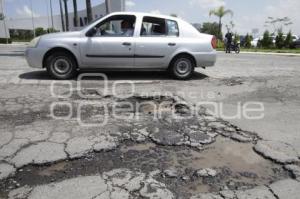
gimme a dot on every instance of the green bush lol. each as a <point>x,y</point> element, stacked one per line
<point>40,31</point>
<point>248,40</point>
<point>236,39</point>
<point>21,35</point>
<point>266,42</point>
<point>220,44</point>
<point>288,40</point>
<point>279,40</point>
<point>4,41</point>
<point>51,30</point>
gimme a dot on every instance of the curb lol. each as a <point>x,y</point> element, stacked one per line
<point>268,53</point>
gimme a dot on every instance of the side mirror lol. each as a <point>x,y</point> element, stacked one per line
<point>91,32</point>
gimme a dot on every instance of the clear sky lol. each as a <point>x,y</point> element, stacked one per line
<point>247,14</point>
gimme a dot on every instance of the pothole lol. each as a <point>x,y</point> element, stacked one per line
<point>237,167</point>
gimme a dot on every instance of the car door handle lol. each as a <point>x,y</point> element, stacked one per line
<point>126,44</point>
<point>172,44</point>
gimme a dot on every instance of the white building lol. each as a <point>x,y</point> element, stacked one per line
<point>46,22</point>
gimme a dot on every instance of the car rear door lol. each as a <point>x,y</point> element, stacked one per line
<point>156,43</point>
<point>110,47</point>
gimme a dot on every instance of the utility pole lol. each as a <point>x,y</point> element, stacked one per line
<point>32,19</point>
<point>51,12</point>
<point>62,16</point>
<point>75,13</point>
<point>107,6</point>
<point>47,10</point>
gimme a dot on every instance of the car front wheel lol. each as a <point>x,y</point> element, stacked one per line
<point>182,67</point>
<point>61,65</point>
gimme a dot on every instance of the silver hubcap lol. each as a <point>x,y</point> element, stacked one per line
<point>183,66</point>
<point>61,66</point>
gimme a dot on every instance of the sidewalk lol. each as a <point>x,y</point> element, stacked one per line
<point>14,49</point>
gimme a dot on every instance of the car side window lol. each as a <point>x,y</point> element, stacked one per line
<point>172,28</point>
<point>153,27</point>
<point>116,26</point>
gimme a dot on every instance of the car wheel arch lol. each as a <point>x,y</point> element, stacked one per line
<point>58,49</point>
<point>183,54</point>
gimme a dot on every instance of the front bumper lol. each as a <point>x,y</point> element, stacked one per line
<point>35,56</point>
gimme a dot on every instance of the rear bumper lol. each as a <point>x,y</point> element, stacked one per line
<point>34,57</point>
<point>205,59</point>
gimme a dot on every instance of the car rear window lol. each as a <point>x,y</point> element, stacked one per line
<point>157,27</point>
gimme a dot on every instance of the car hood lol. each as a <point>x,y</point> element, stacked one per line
<point>61,34</point>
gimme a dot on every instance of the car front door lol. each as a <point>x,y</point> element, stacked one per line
<point>156,43</point>
<point>111,45</point>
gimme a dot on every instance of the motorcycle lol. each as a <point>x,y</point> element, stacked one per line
<point>235,47</point>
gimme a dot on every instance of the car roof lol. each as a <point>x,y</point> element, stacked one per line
<point>146,14</point>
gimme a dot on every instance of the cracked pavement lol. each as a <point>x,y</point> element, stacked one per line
<point>202,156</point>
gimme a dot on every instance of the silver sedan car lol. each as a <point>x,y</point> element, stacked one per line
<point>125,41</point>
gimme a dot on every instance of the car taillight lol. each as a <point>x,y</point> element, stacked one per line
<point>214,42</point>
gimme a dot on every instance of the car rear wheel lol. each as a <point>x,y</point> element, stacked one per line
<point>182,67</point>
<point>61,65</point>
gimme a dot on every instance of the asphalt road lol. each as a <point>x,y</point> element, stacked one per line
<point>167,158</point>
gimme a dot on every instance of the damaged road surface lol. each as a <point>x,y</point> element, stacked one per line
<point>141,152</point>
<point>148,145</point>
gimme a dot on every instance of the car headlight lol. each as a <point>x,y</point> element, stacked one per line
<point>34,42</point>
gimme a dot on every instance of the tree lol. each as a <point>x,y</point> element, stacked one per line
<point>210,28</point>
<point>66,14</point>
<point>248,40</point>
<point>288,40</point>
<point>279,41</point>
<point>236,39</point>
<point>89,11</point>
<point>266,41</point>
<point>75,13</point>
<point>220,13</point>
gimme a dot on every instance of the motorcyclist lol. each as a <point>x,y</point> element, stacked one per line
<point>228,37</point>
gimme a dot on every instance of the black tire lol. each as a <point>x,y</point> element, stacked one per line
<point>182,67</point>
<point>237,50</point>
<point>61,65</point>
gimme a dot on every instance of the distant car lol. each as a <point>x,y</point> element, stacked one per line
<point>294,37</point>
<point>254,42</point>
<point>296,44</point>
<point>125,40</point>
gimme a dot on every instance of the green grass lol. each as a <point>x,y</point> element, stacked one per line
<point>267,50</point>
<point>271,50</point>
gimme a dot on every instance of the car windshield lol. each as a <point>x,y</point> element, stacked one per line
<point>93,21</point>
